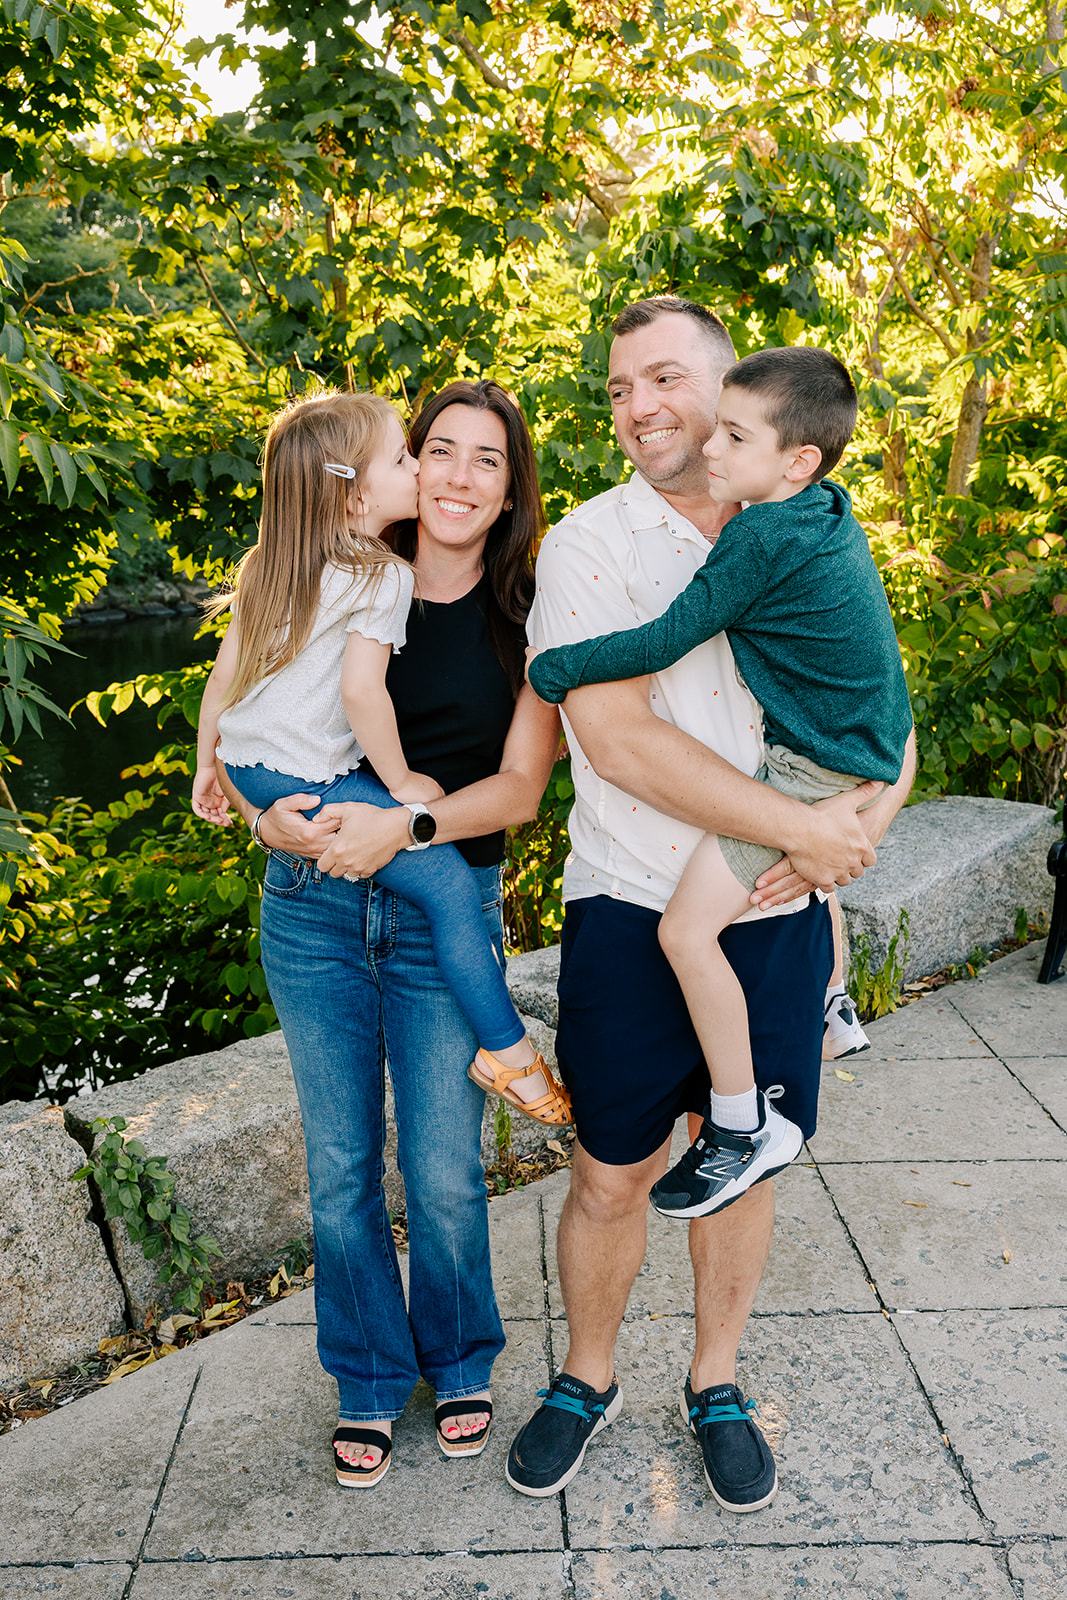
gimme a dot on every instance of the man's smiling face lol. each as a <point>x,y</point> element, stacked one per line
<point>663,383</point>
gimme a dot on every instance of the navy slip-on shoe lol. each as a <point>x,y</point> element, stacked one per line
<point>738,1464</point>
<point>550,1449</point>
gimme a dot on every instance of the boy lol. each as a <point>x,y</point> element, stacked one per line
<point>792,582</point>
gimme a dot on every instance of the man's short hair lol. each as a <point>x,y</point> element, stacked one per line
<point>808,398</point>
<point>641,313</point>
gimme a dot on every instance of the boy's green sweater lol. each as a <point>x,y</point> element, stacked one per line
<point>794,586</point>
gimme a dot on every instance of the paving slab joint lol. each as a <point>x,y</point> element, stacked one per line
<point>546,1301</point>
<point>162,1485</point>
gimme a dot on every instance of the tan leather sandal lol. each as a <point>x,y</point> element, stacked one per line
<point>554,1107</point>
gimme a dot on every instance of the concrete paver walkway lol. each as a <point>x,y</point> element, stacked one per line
<point>907,1354</point>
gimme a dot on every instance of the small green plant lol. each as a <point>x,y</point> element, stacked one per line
<point>297,1256</point>
<point>139,1191</point>
<point>505,1166</point>
<point>877,993</point>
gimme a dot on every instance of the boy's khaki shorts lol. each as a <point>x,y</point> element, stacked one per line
<point>796,777</point>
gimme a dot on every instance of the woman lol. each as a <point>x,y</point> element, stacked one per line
<point>350,966</point>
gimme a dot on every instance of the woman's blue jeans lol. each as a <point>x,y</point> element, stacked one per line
<point>351,972</point>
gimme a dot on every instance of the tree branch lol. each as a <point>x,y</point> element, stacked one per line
<point>62,283</point>
<point>247,248</point>
<point>221,309</point>
<point>930,322</point>
<point>474,55</point>
<point>600,198</point>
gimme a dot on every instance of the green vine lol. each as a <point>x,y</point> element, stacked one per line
<point>139,1191</point>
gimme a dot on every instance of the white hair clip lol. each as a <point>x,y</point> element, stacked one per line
<point>337,471</point>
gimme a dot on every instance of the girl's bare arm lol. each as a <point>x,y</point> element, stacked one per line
<point>209,799</point>
<point>373,718</point>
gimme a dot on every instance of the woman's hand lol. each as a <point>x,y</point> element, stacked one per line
<point>531,656</point>
<point>284,826</point>
<point>363,839</point>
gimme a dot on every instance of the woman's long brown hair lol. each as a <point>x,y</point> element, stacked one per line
<point>304,527</point>
<point>512,539</point>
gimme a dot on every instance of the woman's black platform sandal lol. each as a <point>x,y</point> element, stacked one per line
<point>356,1477</point>
<point>474,1443</point>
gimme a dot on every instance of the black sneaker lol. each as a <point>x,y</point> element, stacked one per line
<point>718,1168</point>
<point>550,1449</point>
<point>738,1464</point>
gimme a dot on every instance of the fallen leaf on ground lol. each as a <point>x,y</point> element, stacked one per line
<point>170,1329</point>
<point>131,1364</point>
<point>846,1077</point>
<point>920,1203</point>
<point>105,1347</point>
<point>960,1184</point>
<point>1007,1255</point>
<point>554,1144</point>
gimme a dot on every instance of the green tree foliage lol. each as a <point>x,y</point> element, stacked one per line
<point>114,961</point>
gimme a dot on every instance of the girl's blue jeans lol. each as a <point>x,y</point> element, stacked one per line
<point>438,881</point>
<point>352,975</point>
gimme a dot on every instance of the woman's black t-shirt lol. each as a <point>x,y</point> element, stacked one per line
<point>453,701</point>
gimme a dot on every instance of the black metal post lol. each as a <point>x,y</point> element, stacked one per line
<point>1052,966</point>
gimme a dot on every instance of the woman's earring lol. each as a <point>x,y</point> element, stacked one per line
<point>507,505</point>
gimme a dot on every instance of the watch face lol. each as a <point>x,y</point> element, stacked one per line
<point>423,827</point>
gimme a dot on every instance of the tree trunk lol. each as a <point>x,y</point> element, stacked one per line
<point>975,404</point>
<point>894,474</point>
<point>973,409</point>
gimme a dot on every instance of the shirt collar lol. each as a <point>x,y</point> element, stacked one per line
<point>646,509</point>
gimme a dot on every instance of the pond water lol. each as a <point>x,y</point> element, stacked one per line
<point>85,760</point>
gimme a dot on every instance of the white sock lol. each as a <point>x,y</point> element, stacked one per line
<point>738,1112</point>
<point>834,990</point>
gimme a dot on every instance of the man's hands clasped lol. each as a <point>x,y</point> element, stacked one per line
<point>830,847</point>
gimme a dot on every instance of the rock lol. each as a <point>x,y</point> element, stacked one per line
<point>58,1292</point>
<point>192,592</point>
<point>532,980</point>
<point>230,1126</point>
<point>99,617</point>
<point>961,867</point>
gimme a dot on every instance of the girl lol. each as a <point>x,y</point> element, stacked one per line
<point>299,687</point>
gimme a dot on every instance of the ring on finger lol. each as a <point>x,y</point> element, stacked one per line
<point>351,877</point>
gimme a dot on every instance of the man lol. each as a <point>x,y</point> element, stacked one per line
<point>656,762</point>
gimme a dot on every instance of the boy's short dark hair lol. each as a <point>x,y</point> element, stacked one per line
<point>808,398</point>
<point>641,313</point>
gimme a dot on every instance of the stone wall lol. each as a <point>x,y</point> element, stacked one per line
<point>962,867</point>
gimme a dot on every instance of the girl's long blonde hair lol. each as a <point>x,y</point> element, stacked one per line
<point>304,527</point>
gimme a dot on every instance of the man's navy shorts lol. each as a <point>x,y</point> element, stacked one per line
<point>626,1046</point>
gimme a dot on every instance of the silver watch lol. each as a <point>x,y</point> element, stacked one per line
<point>422,827</point>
